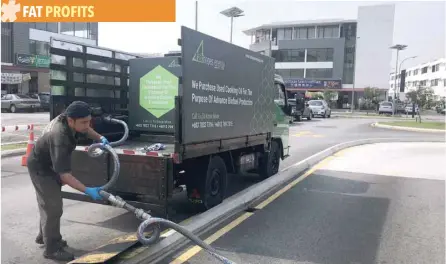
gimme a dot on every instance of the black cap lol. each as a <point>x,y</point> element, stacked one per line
<point>78,109</point>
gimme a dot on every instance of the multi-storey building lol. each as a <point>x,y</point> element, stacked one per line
<point>309,55</point>
<point>430,74</point>
<point>25,52</point>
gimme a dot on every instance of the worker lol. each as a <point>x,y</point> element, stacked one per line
<point>49,166</point>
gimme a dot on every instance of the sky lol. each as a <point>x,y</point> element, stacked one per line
<point>420,25</point>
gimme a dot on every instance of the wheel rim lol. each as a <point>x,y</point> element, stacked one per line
<point>215,183</point>
<point>12,108</point>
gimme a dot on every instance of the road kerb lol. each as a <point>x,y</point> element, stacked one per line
<point>13,152</point>
<point>204,222</point>
<point>426,130</point>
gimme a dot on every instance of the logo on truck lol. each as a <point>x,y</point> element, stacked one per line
<point>201,58</point>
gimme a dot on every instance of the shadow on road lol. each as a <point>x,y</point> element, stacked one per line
<point>324,219</point>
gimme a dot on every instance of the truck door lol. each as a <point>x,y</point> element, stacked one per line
<point>282,116</point>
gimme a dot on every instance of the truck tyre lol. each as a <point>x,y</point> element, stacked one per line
<point>209,188</point>
<point>271,161</point>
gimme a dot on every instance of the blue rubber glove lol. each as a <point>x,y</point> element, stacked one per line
<point>104,141</point>
<point>93,192</point>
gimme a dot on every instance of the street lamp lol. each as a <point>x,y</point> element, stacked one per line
<point>398,47</point>
<point>232,12</point>
<point>401,64</point>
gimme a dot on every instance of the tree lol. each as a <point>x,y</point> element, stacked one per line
<point>371,98</point>
<point>330,96</point>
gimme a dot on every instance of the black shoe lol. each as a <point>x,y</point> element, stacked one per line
<point>39,240</point>
<point>59,255</point>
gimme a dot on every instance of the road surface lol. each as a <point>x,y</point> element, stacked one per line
<point>367,204</point>
<point>87,226</point>
<point>9,119</point>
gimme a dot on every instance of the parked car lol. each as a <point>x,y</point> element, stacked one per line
<point>320,108</point>
<point>44,99</point>
<point>300,110</point>
<point>15,102</point>
<point>408,109</point>
<point>385,108</point>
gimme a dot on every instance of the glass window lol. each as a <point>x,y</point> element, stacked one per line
<point>52,27</point>
<point>315,103</point>
<point>319,73</point>
<point>301,33</point>
<point>41,26</point>
<point>292,55</point>
<point>328,32</point>
<point>67,28</point>
<point>39,47</point>
<point>80,30</point>
<point>296,73</point>
<point>284,33</point>
<point>311,33</point>
<point>315,55</point>
<point>424,70</point>
<point>291,73</point>
<point>22,96</point>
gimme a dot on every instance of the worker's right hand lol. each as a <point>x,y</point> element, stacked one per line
<point>93,192</point>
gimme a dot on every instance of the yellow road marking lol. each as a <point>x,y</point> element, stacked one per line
<point>308,134</point>
<point>293,183</point>
<point>195,249</point>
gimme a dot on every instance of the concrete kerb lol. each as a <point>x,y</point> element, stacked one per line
<point>427,130</point>
<point>204,222</point>
<point>13,152</point>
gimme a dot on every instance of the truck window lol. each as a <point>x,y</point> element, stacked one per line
<point>279,96</point>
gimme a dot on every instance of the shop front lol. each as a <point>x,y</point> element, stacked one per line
<point>341,98</point>
<point>29,74</point>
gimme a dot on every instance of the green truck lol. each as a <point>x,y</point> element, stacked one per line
<point>192,118</point>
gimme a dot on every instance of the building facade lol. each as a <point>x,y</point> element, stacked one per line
<point>310,54</point>
<point>430,74</point>
<point>25,52</point>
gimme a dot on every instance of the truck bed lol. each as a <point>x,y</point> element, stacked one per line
<point>133,147</point>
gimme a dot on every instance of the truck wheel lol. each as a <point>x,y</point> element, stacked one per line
<point>270,162</point>
<point>209,189</point>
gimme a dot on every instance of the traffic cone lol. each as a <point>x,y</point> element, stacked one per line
<point>29,147</point>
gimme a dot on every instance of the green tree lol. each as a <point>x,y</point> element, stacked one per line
<point>371,98</point>
<point>330,96</point>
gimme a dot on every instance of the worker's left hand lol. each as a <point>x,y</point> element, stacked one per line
<point>104,141</point>
<point>93,192</point>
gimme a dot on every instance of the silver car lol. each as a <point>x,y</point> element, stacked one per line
<point>14,102</point>
<point>385,108</point>
<point>320,108</point>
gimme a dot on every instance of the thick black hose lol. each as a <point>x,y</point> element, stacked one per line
<point>95,150</point>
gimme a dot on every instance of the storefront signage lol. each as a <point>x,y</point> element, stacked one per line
<point>38,61</point>
<point>312,84</point>
<point>11,78</point>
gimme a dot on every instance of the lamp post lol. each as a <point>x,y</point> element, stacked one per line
<point>232,12</point>
<point>401,64</point>
<point>398,47</point>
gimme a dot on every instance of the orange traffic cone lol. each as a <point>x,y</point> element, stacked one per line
<point>29,147</point>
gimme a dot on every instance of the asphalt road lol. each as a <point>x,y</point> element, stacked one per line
<point>87,226</point>
<point>9,119</point>
<point>367,204</point>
